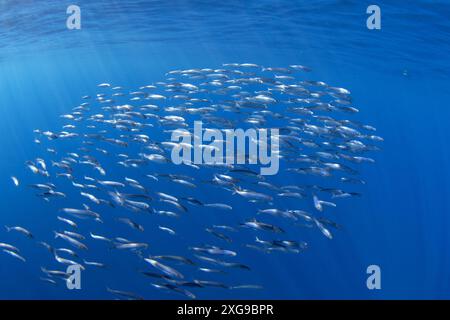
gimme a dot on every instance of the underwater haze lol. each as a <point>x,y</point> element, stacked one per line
<point>398,77</point>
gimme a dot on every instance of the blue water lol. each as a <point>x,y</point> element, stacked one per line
<point>398,76</point>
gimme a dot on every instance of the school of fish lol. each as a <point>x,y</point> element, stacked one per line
<point>112,156</point>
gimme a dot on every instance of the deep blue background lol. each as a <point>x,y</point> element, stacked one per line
<point>398,77</point>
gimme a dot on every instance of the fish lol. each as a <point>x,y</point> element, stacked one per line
<point>55,273</point>
<point>94,264</point>
<point>67,261</point>
<point>214,250</point>
<point>223,263</point>
<point>257,225</point>
<point>115,150</point>
<point>68,221</point>
<point>221,206</point>
<point>81,213</point>
<point>41,186</point>
<point>193,201</point>
<point>15,181</point>
<point>72,241</point>
<point>20,230</point>
<point>131,245</point>
<point>90,197</point>
<point>184,183</point>
<point>68,251</point>
<point>318,204</point>
<point>98,237</point>
<point>174,288</point>
<point>166,229</point>
<point>14,254</point>
<point>114,184</point>
<point>171,272</point>
<point>165,196</point>
<point>324,230</point>
<point>47,246</point>
<point>208,270</point>
<point>8,247</point>
<point>131,223</point>
<point>253,195</point>
<point>74,235</point>
<point>174,258</point>
<point>176,204</point>
<point>218,235</point>
<point>48,280</point>
<point>206,283</point>
<point>278,213</point>
<point>125,294</point>
<point>247,286</point>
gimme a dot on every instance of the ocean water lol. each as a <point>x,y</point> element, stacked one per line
<point>398,77</point>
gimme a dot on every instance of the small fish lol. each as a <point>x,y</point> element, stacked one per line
<point>14,254</point>
<point>67,261</point>
<point>131,223</point>
<point>132,245</point>
<point>55,273</point>
<point>247,286</point>
<point>90,197</point>
<point>68,251</point>
<point>218,206</point>
<point>71,240</point>
<point>168,230</point>
<point>318,204</point>
<point>69,222</point>
<point>213,250</point>
<point>125,294</point>
<point>98,237</point>
<point>174,288</point>
<point>114,184</point>
<point>74,235</point>
<point>8,247</point>
<point>171,272</point>
<point>253,224</point>
<point>208,270</point>
<point>174,258</point>
<point>253,195</point>
<point>15,181</point>
<point>20,230</point>
<point>218,235</point>
<point>48,280</point>
<point>324,230</point>
<point>94,264</point>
